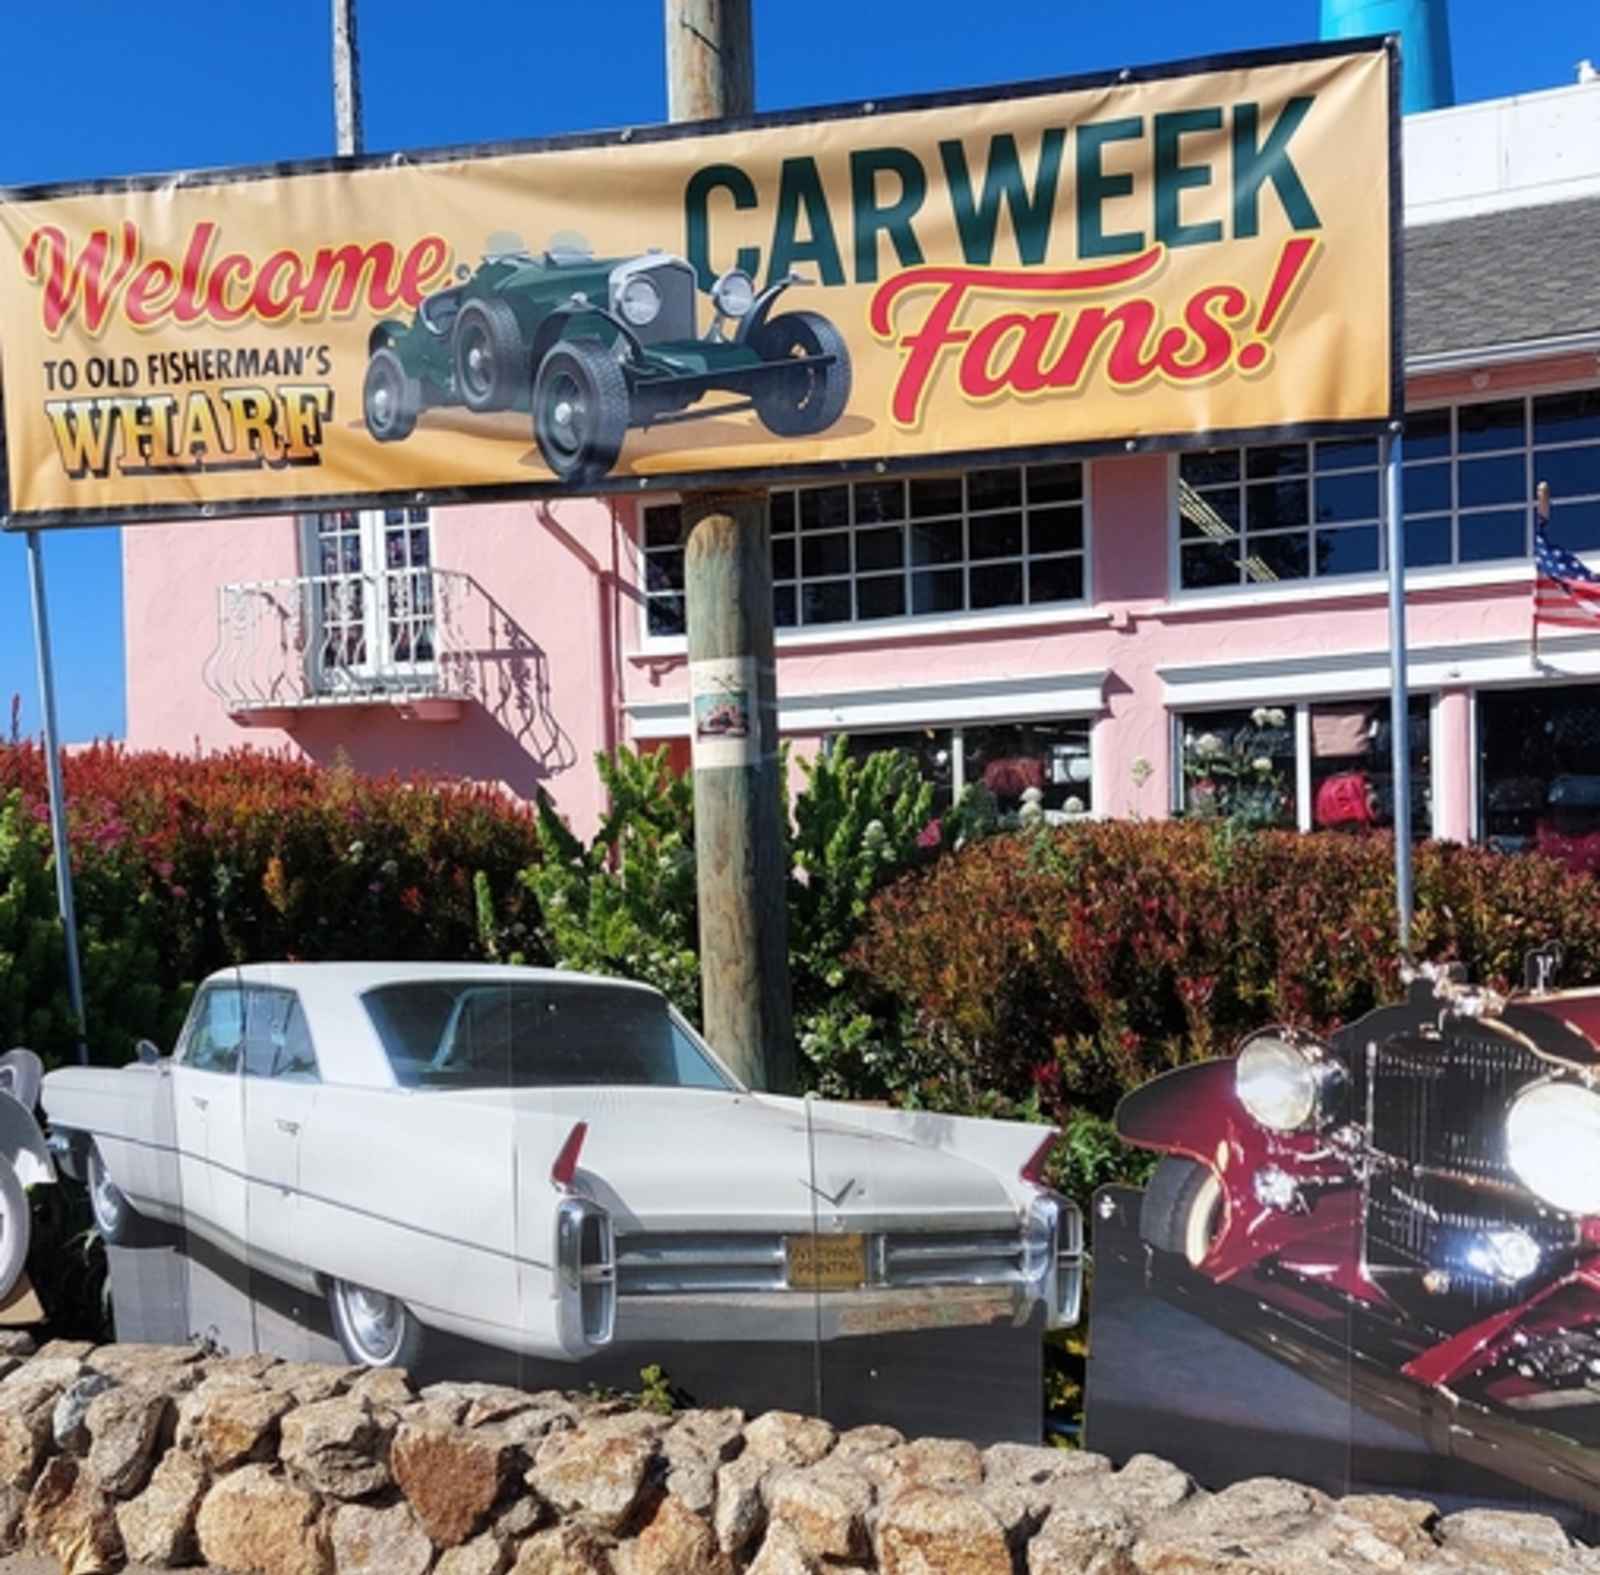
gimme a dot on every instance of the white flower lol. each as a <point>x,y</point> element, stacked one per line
<point>1261,764</point>
<point>1208,746</point>
<point>1260,715</point>
<point>1074,805</point>
<point>1276,717</point>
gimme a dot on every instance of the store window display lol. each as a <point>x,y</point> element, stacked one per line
<point>1539,773</point>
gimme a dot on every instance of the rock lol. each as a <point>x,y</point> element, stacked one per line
<point>13,1501</point>
<point>389,1541</point>
<point>824,1506</point>
<point>674,1541</point>
<point>337,1447</point>
<point>598,1472</point>
<point>253,1520</point>
<point>17,1344</point>
<point>484,1555</point>
<point>872,1439</point>
<point>309,1382</point>
<point>526,1428</point>
<point>65,1350</point>
<point>384,1386</point>
<point>70,1519</point>
<point>1034,1465</point>
<point>714,1435</point>
<point>1519,1544</point>
<point>66,1420</point>
<point>524,1514</point>
<point>928,1531</point>
<point>1083,1540</point>
<point>740,1512</point>
<point>54,1371</point>
<point>123,1427</point>
<point>782,1554</point>
<point>450,1476</point>
<point>928,1462</point>
<point>563,1550</point>
<point>1144,1488</point>
<point>789,1439</point>
<point>693,1484</point>
<point>158,1526</point>
<point>9,1365</point>
<point>172,1368</point>
<point>482,1403</point>
<point>229,1427</point>
<point>253,1365</point>
<point>26,1418</point>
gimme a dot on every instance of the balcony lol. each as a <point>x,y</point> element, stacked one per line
<point>391,638</point>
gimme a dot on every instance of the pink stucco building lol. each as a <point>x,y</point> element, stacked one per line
<point>1121,634</point>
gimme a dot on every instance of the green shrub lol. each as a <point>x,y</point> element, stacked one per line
<point>183,865</point>
<point>627,902</point>
<point>1110,951</point>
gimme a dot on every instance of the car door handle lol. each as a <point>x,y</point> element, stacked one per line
<point>199,1103</point>
<point>291,1127</point>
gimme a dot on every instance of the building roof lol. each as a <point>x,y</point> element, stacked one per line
<point>1503,278</point>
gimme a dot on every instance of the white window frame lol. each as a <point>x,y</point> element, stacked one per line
<point>380,666</point>
<point>1181,716</point>
<point>1489,570</point>
<point>906,626</point>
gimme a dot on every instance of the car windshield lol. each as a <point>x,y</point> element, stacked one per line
<point>468,1034</point>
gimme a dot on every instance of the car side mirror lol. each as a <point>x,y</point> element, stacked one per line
<point>463,272</point>
<point>147,1053</point>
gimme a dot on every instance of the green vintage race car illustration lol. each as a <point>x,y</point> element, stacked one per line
<point>593,346</point>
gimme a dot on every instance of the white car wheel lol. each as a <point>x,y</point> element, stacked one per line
<point>16,1229</point>
<point>114,1216</point>
<point>375,1330</point>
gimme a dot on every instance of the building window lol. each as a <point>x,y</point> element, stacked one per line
<point>1352,765</point>
<point>981,541</point>
<point>1303,511</point>
<point>1239,763</point>
<point>1016,764</point>
<point>1538,789</point>
<point>369,579</point>
<point>1324,767</point>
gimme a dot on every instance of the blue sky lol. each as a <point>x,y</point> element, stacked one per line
<point>91,88</point>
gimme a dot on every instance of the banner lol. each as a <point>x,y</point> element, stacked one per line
<point>1179,255</point>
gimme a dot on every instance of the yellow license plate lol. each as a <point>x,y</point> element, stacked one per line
<point>826,1263</point>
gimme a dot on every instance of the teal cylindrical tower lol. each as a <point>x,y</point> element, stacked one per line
<point>1424,29</point>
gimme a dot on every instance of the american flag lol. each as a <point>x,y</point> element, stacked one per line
<point>1565,590</point>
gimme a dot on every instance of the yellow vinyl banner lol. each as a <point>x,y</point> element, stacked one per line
<point>1187,255</point>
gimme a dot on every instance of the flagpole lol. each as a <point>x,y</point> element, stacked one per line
<point>57,794</point>
<point>1541,509</point>
<point>1389,458</point>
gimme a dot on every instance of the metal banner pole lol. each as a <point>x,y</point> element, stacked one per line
<point>58,801</point>
<point>1400,732</point>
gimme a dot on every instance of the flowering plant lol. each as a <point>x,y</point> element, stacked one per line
<point>1240,773</point>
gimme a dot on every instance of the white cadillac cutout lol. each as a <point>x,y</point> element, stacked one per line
<point>546,1163</point>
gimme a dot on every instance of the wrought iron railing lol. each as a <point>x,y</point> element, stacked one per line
<point>393,636</point>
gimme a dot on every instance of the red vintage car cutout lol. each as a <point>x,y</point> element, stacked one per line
<point>1413,1204</point>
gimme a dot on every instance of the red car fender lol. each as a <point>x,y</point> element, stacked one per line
<point>1185,1111</point>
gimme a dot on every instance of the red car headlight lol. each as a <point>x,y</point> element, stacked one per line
<point>1286,1082</point>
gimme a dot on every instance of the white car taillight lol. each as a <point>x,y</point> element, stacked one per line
<point>586,1274</point>
<point>1052,1255</point>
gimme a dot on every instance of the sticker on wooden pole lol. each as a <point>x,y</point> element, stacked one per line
<point>725,713</point>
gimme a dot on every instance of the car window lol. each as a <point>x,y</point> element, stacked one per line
<point>217,1031</point>
<point>277,1042</point>
<point>474,1035</point>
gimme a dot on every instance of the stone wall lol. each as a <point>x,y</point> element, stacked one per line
<point>172,1457</point>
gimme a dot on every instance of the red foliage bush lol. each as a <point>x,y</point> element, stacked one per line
<point>245,856</point>
<point>1074,963</point>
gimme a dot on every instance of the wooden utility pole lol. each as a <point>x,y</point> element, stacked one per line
<point>733,682</point>
<point>346,79</point>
